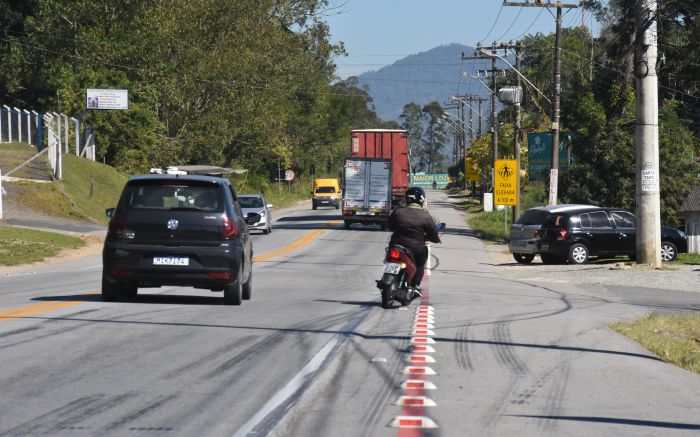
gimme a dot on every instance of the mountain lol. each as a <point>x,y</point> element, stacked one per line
<point>428,76</point>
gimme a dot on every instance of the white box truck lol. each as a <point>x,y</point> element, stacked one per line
<point>366,191</point>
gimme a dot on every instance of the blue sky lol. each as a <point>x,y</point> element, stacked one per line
<point>379,32</point>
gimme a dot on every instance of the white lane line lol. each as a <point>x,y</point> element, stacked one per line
<point>297,384</point>
<point>288,390</point>
<point>89,267</point>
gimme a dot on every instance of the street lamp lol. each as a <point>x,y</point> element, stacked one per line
<point>470,107</point>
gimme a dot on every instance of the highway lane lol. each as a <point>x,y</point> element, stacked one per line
<point>313,353</point>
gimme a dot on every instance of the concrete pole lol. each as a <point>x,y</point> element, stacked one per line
<point>66,132</point>
<point>556,109</point>
<point>463,133</point>
<point>647,139</point>
<point>516,134</point>
<point>76,123</point>
<point>1,193</point>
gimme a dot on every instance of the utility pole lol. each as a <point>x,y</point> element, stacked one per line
<point>647,138</point>
<point>554,168</point>
<point>494,122</point>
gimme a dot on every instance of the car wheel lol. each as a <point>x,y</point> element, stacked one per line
<point>248,287</point>
<point>383,226</point>
<point>337,206</point>
<point>110,290</point>
<point>550,259</point>
<point>669,252</point>
<point>313,205</point>
<point>523,258</point>
<point>266,231</point>
<point>233,294</point>
<point>578,254</point>
<point>347,225</point>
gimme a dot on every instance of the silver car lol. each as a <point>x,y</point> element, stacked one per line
<point>255,203</point>
<point>523,238</point>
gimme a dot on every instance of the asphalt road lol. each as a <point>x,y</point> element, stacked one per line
<point>313,353</point>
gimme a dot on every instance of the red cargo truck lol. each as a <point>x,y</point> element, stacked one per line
<point>385,144</point>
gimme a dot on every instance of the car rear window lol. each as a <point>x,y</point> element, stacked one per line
<point>173,195</point>
<point>250,202</point>
<point>598,219</point>
<point>532,217</point>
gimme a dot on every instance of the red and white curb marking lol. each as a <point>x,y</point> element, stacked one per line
<point>414,400</point>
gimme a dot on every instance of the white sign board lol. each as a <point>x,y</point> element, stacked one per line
<point>649,181</point>
<point>289,175</point>
<point>107,99</point>
<point>488,202</point>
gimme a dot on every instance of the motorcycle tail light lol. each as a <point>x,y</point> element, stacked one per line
<point>394,254</point>
<point>562,234</point>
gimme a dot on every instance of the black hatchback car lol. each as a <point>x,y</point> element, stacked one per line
<point>178,230</point>
<point>602,232</point>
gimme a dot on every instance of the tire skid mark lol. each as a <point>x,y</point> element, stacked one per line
<point>93,409</point>
<point>556,397</point>
<point>203,360</point>
<point>464,360</point>
<point>141,412</point>
<point>523,397</point>
<point>32,426</point>
<point>383,394</point>
<point>19,331</point>
<point>505,354</point>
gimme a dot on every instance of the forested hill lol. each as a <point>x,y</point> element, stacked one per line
<point>422,78</point>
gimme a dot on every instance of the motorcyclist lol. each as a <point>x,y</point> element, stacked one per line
<point>412,226</point>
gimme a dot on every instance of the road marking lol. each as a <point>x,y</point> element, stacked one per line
<point>415,401</point>
<point>28,312</point>
<point>412,422</point>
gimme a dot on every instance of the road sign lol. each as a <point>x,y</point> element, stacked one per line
<point>107,99</point>
<point>427,180</point>
<point>506,182</point>
<point>289,175</point>
<point>472,170</point>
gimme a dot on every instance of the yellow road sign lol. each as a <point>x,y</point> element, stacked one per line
<point>472,171</point>
<point>506,182</point>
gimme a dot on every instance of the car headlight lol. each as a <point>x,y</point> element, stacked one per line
<point>333,197</point>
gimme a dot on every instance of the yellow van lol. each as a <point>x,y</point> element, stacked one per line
<point>326,192</point>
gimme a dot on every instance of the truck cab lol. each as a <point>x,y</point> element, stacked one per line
<point>326,192</point>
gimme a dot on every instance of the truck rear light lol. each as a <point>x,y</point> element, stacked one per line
<point>347,212</point>
<point>562,234</point>
<point>219,275</point>
<point>230,228</point>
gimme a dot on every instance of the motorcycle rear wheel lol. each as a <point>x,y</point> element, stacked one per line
<point>388,294</point>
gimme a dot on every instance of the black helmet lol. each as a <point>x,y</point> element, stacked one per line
<point>415,195</point>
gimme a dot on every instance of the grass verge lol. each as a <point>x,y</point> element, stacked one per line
<point>14,154</point>
<point>24,246</point>
<point>688,258</point>
<point>675,338</point>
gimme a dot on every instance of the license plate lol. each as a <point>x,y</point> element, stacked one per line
<point>171,261</point>
<point>392,268</point>
<point>364,213</point>
<point>544,247</point>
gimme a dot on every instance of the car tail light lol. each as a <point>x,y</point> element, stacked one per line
<point>230,228</point>
<point>536,233</point>
<point>347,212</point>
<point>116,224</point>
<point>562,234</point>
<point>394,254</point>
<point>122,273</point>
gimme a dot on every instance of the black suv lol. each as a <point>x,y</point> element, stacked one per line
<point>603,232</point>
<point>178,230</point>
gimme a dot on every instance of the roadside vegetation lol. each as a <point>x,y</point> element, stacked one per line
<point>688,258</point>
<point>674,338</point>
<point>23,246</point>
<point>14,154</point>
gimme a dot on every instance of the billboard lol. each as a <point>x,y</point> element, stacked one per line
<point>426,180</point>
<point>107,99</point>
<point>539,153</point>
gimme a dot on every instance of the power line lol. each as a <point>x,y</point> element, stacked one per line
<point>494,23</point>
<point>511,24</point>
<point>531,24</point>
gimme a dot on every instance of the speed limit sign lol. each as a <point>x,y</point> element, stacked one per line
<point>289,175</point>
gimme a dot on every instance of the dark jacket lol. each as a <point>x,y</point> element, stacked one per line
<point>412,226</point>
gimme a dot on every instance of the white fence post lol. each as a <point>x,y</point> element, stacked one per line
<point>9,123</point>
<point>1,141</point>
<point>76,123</point>
<point>19,124</point>
<point>35,138</point>
<point>28,119</point>
<point>66,132</point>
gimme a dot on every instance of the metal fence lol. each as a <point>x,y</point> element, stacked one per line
<point>59,133</point>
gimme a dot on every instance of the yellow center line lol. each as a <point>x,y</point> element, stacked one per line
<point>29,312</point>
<point>25,307</point>
<point>296,245</point>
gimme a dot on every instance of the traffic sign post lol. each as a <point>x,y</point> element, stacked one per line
<point>506,180</point>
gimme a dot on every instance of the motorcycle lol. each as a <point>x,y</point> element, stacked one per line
<point>399,269</point>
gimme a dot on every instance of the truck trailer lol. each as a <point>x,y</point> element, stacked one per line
<point>366,191</point>
<point>388,144</point>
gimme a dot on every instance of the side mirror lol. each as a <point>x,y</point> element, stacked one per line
<point>441,227</point>
<point>109,212</point>
<point>269,205</point>
<point>252,218</point>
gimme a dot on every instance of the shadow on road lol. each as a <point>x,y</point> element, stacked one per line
<point>165,299</point>
<point>615,420</point>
